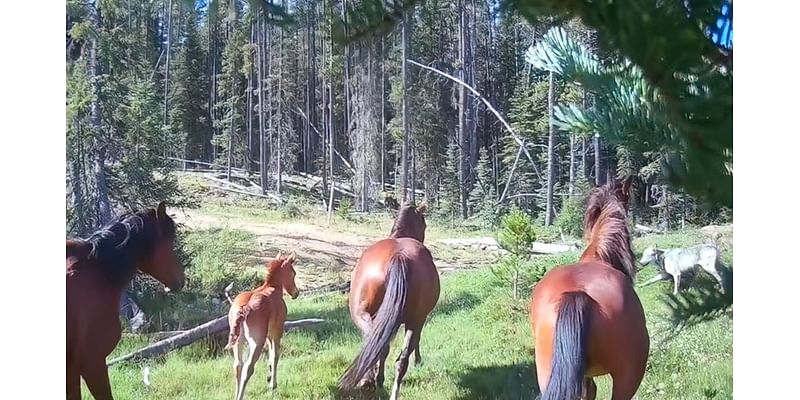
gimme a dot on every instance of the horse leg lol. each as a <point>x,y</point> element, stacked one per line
<point>589,389</point>
<point>237,362</point>
<point>624,387</point>
<point>381,367</point>
<point>411,340</point>
<point>417,356</point>
<point>363,322</point>
<point>255,344</point>
<point>274,355</point>
<point>73,383</point>
<point>95,373</point>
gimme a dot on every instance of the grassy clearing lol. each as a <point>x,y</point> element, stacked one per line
<point>477,345</point>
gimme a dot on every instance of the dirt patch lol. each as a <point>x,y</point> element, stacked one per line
<point>325,255</point>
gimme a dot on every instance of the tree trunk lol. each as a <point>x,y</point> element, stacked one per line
<point>207,329</point>
<point>406,38</point>
<point>279,133</point>
<point>347,61</point>
<point>263,167</point>
<point>96,113</point>
<point>571,165</point>
<point>383,115</point>
<point>462,109</point>
<point>324,120</point>
<point>253,40</point>
<point>331,131</point>
<point>598,176</point>
<point>166,63</point>
<point>551,150</point>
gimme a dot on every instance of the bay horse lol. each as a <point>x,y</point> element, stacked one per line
<point>98,270</point>
<point>586,317</point>
<point>259,315</point>
<point>394,282</point>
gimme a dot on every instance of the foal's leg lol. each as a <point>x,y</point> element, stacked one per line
<point>255,343</point>
<point>274,354</point>
<point>95,373</point>
<point>238,348</point>
<point>411,340</point>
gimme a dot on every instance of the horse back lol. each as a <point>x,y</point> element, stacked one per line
<point>368,281</point>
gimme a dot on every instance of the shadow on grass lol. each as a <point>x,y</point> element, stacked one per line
<point>359,394</point>
<point>462,301</point>
<point>337,323</point>
<point>516,381</point>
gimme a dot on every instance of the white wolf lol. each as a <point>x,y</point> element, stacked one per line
<point>678,261</point>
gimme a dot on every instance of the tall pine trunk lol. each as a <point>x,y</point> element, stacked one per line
<point>331,131</point>
<point>279,132</point>
<point>406,43</point>
<point>103,206</point>
<point>462,110</point>
<point>166,62</point>
<point>551,147</point>
<point>263,167</point>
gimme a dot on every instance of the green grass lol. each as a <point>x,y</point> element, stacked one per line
<point>477,345</point>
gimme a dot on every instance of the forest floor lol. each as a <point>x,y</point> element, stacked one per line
<point>476,345</point>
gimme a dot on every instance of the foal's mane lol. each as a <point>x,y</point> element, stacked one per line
<point>606,231</point>
<point>132,236</point>
<point>273,266</point>
<point>404,223</point>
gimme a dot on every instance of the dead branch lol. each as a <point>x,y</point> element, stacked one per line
<point>192,335</point>
<point>490,243</point>
<point>272,197</point>
<point>520,142</point>
<point>320,136</point>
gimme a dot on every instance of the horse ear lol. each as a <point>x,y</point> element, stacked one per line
<point>422,209</point>
<point>278,257</point>
<point>161,210</point>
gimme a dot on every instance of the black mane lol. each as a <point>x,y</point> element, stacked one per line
<point>131,237</point>
<point>404,224</point>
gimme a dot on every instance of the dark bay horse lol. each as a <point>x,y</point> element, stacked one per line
<point>258,317</point>
<point>394,282</point>
<point>586,317</point>
<point>98,269</point>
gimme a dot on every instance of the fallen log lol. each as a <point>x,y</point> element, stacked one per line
<point>490,243</point>
<point>646,229</point>
<point>192,335</point>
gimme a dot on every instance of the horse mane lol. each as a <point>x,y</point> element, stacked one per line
<point>272,268</point>
<point>401,227</point>
<point>606,230</point>
<point>132,236</point>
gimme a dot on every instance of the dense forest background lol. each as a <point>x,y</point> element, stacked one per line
<point>152,85</point>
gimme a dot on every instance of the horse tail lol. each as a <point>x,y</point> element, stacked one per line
<point>386,322</point>
<point>569,357</point>
<point>236,327</point>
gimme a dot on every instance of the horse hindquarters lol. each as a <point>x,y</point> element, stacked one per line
<point>385,324</point>
<point>569,348</point>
